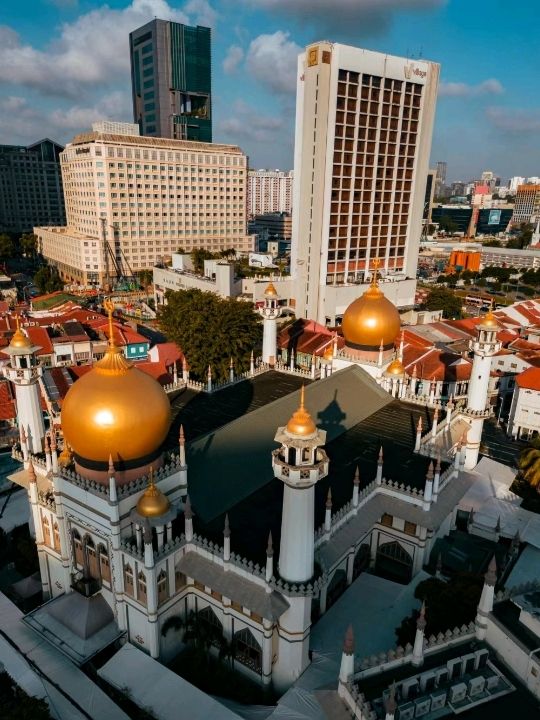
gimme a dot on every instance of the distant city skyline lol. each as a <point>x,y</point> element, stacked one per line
<point>67,65</point>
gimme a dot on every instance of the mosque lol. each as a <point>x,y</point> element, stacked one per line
<point>132,546</point>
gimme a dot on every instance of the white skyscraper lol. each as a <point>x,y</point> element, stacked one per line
<point>269,191</point>
<point>364,122</point>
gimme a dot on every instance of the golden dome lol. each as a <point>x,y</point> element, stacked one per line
<point>490,321</point>
<point>270,290</point>
<point>370,320</point>
<point>152,502</point>
<point>301,422</point>
<point>395,368</point>
<point>19,340</point>
<point>115,409</point>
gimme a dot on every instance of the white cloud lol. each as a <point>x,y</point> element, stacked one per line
<point>514,120</point>
<point>91,51</point>
<point>351,17</point>
<point>272,60</point>
<point>247,123</point>
<point>201,13</point>
<point>457,89</point>
<point>232,59</point>
<point>114,106</point>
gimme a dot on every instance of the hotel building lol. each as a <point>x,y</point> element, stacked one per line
<point>269,191</point>
<point>527,205</point>
<point>364,122</point>
<point>132,201</point>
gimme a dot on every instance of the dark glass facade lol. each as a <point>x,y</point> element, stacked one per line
<point>31,186</point>
<point>171,74</point>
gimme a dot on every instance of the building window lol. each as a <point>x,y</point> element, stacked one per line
<point>141,588</point>
<point>104,565</point>
<point>56,537</point>
<point>91,558</point>
<point>210,622</point>
<point>128,580</point>
<point>236,606</point>
<point>387,520</point>
<point>77,548</point>
<point>410,528</point>
<point>46,530</point>
<point>180,580</point>
<point>247,650</point>
<point>162,590</point>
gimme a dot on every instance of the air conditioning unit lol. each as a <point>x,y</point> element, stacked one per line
<point>457,693</point>
<point>438,701</point>
<point>476,686</point>
<point>468,663</point>
<point>422,707</point>
<point>454,668</point>
<point>492,682</point>
<point>428,681</point>
<point>481,658</point>
<point>410,688</point>
<point>406,712</point>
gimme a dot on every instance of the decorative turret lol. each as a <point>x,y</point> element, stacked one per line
<point>270,311</point>
<point>418,649</point>
<point>346,669</point>
<point>484,347</point>
<point>485,606</point>
<point>299,463</point>
<point>152,502</point>
<point>24,371</point>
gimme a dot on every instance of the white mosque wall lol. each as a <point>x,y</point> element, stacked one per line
<point>514,655</point>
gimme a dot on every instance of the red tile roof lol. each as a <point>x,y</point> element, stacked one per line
<point>529,379</point>
<point>8,409</point>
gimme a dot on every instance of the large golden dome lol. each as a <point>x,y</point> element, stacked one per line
<point>115,410</point>
<point>370,319</point>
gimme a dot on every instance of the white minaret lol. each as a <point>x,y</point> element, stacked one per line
<point>299,463</point>
<point>24,372</point>
<point>485,606</point>
<point>484,347</point>
<point>270,312</point>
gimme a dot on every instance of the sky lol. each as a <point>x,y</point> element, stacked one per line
<point>65,64</point>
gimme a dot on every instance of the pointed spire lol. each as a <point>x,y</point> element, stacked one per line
<point>31,472</point>
<point>381,456</point>
<point>516,540</point>
<point>53,439</point>
<point>419,425</point>
<point>414,372</point>
<point>429,474</point>
<point>348,643</point>
<point>23,434</point>
<point>438,465</point>
<point>188,512</point>
<point>181,436</point>
<point>439,565</point>
<point>329,499</point>
<point>356,480</point>
<point>491,575</point>
<point>209,371</point>
<point>498,525</point>
<point>227,527</point>
<point>111,466</point>
<point>422,622</point>
<point>269,546</point>
<point>231,363</point>
<point>391,705</point>
<point>302,396</point>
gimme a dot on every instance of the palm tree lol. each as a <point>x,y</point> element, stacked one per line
<point>529,463</point>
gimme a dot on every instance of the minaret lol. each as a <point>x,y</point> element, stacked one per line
<point>270,312</point>
<point>418,649</point>
<point>346,669</point>
<point>484,348</point>
<point>299,463</point>
<point>485,606</point>
<point>24,372</point>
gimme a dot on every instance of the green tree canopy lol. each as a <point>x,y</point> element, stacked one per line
<point>210,330</point>
<point>448,224</point>
<point>529,463</point>
<point>198,256</point>
<point>48,280</point>
<point>146,278</point>
<point>7,247</point>
<point>28,244</point>
<point>442,299</point>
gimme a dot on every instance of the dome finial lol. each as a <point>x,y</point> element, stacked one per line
<point>376,265</point>
<point>301,422</point>
<point>108,305</point>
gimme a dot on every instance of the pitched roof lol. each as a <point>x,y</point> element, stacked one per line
<point>529,379</point>
<point>8,409</point>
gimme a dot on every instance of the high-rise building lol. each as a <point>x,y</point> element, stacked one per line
<point>514,182</point>
<point>30,186</point>
<point>441,169</point>
<point>363,137</point>
<point>171,80</point>
<point>131,201</point>
<point>527,204</point>
<point>269,191</point>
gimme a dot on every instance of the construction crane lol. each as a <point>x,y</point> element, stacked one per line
<point>124,278</point>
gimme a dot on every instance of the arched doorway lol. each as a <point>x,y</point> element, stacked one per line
<point>394,562</point>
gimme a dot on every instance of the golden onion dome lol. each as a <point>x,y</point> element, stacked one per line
<point>270,290</point>
<point>152,502</point>
<point>489,321</point>
<point>19,340</point>
<point>370,320</point>
<point>301,422</point>
<point>115,410</point>
<point>396,368</point>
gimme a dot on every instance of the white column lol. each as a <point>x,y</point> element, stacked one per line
<point>30,415</point>
<point>226,543</point>
<point>346,669</point>
<point>418,435</point>
<point>269,348</point>
<point>378,477</point>
<point>418,649</point>
<point>485,606</point>
<point>297,534</point>
<point>188,520</point>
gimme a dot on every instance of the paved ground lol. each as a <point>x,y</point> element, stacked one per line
<point>497,445</point>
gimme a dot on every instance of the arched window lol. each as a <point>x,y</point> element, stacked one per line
<point>306,454</point>
<point>162,587</point>
<point>45,525</point>
<point>104,565</point>
<point>56,537</point>
<point>141,588</point>
<point>247,650</point>
<point>77,547</point>
<point>211,625</point>
<point>91,557</point>
<point>180,580</point>
<point>128,580</point>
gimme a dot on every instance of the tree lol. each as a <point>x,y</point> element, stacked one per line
<point>529,463</point>
<point>17,705</point>
<point>146,278</point>
<point>48,280</point>
<point>492,243</point>
<point>7,247</point>
<point>28,244</point>
<point>198,256</point>
<point>448,605</point>
<point>448,224</point>
<point>442,299</point>
<point>210,330</point>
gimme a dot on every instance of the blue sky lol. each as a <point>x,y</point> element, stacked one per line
<point>65,63</point>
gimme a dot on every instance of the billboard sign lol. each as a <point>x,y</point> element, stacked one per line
<point>494,217</point>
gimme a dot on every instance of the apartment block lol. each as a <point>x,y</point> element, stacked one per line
<point>269,191</point>
<point>132,201</point>
<point>527,204</point>
<point>364,123</point>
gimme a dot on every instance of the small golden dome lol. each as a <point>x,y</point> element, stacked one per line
<point>270,290</point>
<point>65,458</point>
<point>301,422</point>
<point>19,340</point>
<point>490,321</point>
<point>395,368</point>
<point>370,320</point>
<point>115,409</point>
<point>152,502</point>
